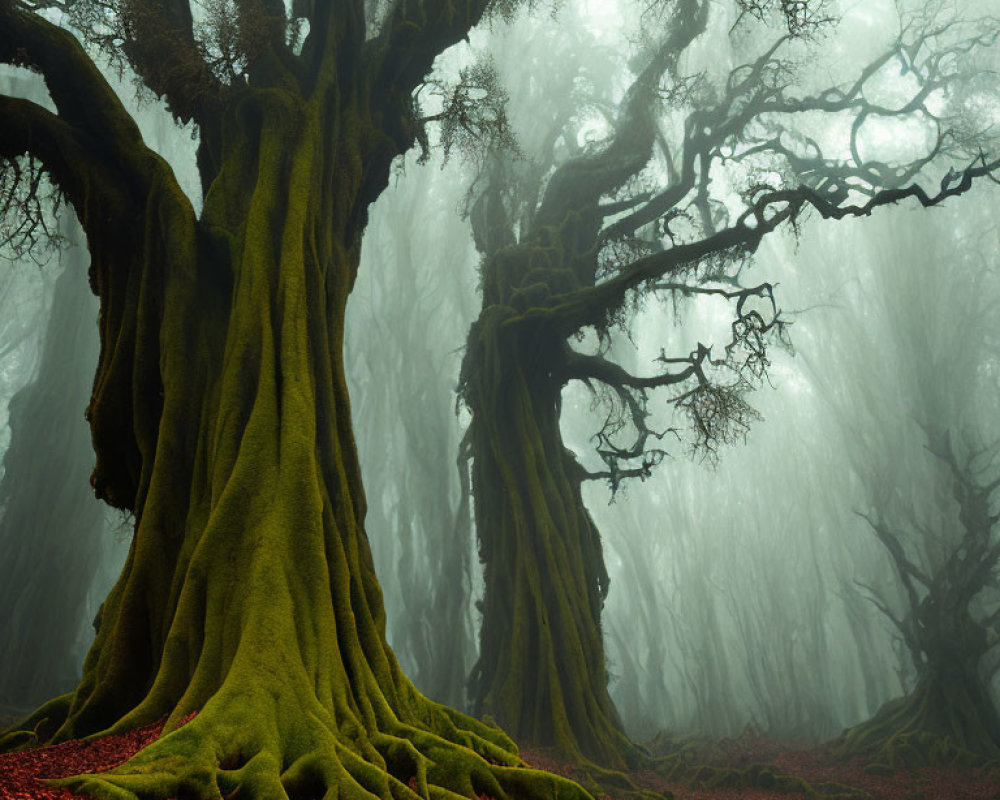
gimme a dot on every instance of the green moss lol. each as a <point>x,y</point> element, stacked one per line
<point>946,719</point>
<point>541,672</point>
<point>249,595</point>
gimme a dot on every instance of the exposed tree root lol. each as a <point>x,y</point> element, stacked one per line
<point>228,752</point>
<point>600,781</point>
<point>37,727</point>
<point>939,723</point>
<point>749,766</point>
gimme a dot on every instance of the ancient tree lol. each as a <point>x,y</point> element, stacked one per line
<point>220,415</point>
<point>672,204</point>
<point>949,714</point>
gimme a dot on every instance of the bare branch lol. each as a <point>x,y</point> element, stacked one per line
<point>589,305</point>
<point>580,183</point>
<point>716,409</point>
<point>905,568</point>
<point>751,122</point>
<point>905,628</point>
<point>156,39</point>
<point>33,131</point>
<point>28,204</point>
<point>412,36</point>
<point>594,367</point>
<point>81,94</point>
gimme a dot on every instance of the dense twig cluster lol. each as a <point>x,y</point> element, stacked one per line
<point>28,204</point>
<point>473,115</point>
<point>685,217</point>
<point>802,17</point>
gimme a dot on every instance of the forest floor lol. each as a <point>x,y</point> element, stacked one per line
<point>20,772</point>
<point>750,767</point>
<point>755,767</point>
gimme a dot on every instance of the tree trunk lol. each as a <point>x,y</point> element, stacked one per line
<point>249,594</point>
<point>949,716</point>
<point>541,672</point>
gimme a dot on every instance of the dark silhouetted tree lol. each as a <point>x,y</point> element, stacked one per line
<point>942,534</point>
<point>949,625</point>
<point>50,524</point>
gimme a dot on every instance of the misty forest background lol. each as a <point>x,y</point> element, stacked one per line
<point>745,584</point>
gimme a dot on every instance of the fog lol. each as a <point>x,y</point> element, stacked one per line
<point>745,582</point>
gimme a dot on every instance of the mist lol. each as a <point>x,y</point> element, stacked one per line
<point>741,583</point>
<point>751,584</point>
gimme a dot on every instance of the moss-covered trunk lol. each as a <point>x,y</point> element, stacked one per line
<point>541,672</point>
<point>949,715</point>
<point>249,594</point>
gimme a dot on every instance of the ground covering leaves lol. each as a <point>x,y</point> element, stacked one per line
<point>22,773</point>
<point>750,767</point>
<point>755,767</point>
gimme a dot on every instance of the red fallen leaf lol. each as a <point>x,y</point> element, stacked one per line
<point>21,773</point>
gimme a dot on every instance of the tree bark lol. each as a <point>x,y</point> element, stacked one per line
<point>541,672</point>
<point>221,417</point>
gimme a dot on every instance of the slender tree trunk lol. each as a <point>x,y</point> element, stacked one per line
<point>50,524</point>
<point>541,671</point>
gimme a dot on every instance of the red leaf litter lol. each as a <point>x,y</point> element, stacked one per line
<point>816,765</point>
<point>21,773</point>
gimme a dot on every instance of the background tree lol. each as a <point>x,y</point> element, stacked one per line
<point>672,204</point>
<point>220,414</point>
<point>949,627</point>
<point>52,531</point>
<point>939,534</point>
<point>402,371</point>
